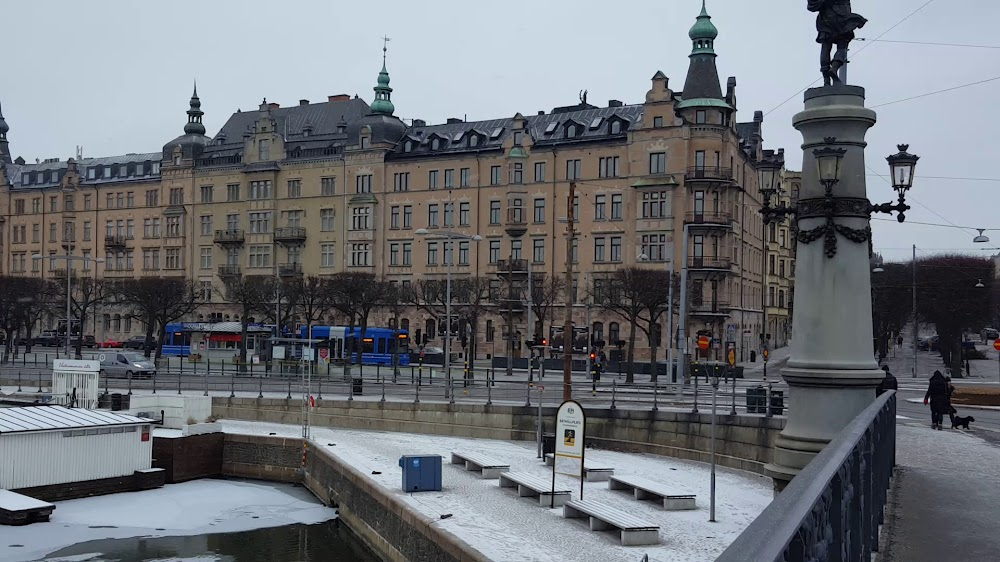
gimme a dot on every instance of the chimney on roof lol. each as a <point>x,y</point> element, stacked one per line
<point>419,123</point>
<point>303,102</point>
<point>339,97</point>
<point>758,116</point>
<point>453,120</point>
<point>273,105</point>
<point>615,103</point>
<point>541,112</point>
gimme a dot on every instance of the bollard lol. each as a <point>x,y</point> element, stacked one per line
<point>614,390</point>
<point>451,387</point>
<point>105,382</point>
<point>527,395</point>
<point>694,410</point>
<point>289,397</point>
<point>489,390</point>
<point>130,385</point>
<point>154,382</point>
<point>383,391</point>
<point>732,411</point>
<point>19,383</point>
<point>232,386</point>
<point>260,386</point>
<point>178,384</point>
<point>767,402</point>
<point>39,381</point>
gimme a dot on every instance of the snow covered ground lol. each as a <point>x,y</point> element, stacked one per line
<point>507,528</point>
<point>191,508</point>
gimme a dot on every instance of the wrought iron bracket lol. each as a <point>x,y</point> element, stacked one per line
<point>888,208</point>
<point>776,214</point>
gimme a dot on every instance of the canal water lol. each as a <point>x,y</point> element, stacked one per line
<point>323,542</point>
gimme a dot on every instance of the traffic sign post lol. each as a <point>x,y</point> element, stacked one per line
<point>996,346</point>
<point>766,353</point>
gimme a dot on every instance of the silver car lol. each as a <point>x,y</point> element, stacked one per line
<point>126,364</point>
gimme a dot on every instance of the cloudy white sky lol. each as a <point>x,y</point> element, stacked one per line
<point>115,75</point>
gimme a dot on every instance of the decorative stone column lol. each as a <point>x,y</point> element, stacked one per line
<point>831,372</point>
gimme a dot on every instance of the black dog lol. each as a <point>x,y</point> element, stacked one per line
<point>959,421</point>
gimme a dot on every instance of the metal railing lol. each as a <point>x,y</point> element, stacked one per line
<point>833,508</point>
<point>709,173</point>
<point>709,219</point>
<point>229,270</point>
<point>231,236</point>
<point>289,234</point>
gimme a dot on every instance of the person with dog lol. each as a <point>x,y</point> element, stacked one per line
<point>887,383</point>
<point>938,396</point>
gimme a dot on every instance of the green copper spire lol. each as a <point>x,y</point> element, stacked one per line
<point>383,93</point>
<point>703,33</point>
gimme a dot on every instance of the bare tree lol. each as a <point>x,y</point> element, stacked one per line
<point>156,302</point>
<point>19,299</point>
<point>356,295</point>
<point>638,296</point>
<point>251,294</point>
<point>313,302</point>
<point>473,297</point>
<point>546,295</point>
<point>86,294</point>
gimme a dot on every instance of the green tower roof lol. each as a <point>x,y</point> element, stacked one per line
<point>382,105</point>
<point>703,28</point>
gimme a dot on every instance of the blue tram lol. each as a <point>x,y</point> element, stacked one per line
<point>378,346</point>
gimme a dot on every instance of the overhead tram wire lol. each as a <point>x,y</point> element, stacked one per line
<point>954,178</point>
<point>856,53</point>
<point>928,43</point>
<point>928,94</point>
<point>939,215</point>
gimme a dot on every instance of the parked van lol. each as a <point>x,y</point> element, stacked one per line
<point>126,364</point>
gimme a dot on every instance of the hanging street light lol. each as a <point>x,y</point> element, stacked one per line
<point>982,238</point>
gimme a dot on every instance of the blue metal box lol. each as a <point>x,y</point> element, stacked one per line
<point>421,473</point>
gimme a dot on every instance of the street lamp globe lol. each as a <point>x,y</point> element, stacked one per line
<point>828,163</point>
<point>982,238</point>
<point>477,238</point>
<point>901,166</point>
<point>422,231</point>
<point>979,284</point>
<point>768,172</point>
<point>37,256</point>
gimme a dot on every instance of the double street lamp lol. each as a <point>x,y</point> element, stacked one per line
<point>69,295</point>
<point>449,236</point>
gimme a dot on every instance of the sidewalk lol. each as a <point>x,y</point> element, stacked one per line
<point>946,490</point>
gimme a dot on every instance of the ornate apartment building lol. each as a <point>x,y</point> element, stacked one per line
<point>341,185</point>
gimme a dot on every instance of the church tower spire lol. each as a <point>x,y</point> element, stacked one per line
<point>383,93</point>
<point>194,125</point>
<point>4,147</point>
<point>703,77</point>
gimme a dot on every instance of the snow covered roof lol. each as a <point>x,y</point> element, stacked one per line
<point>227,327</point>
<point>46,418</point>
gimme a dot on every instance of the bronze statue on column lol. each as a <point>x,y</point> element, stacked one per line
<point>835,24</point>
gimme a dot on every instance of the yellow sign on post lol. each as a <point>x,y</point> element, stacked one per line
<point>732,357</point>
<point>766,354</point>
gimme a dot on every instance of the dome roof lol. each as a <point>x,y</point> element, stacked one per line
<point>192,145</point>
<point>384,129</point>
<point>703,28</point>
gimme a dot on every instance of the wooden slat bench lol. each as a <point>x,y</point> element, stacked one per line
<point>594,473</point>
<point>487,467</point>
<point>644,489</point>
<point>634,531</point>
<point>16,509</point>
<point>529,486</point>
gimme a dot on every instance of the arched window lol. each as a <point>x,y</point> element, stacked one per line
<point>429,328</point>
<point>489,330</point>
<point>116,323</point>
<point>408,146</point>
<point>571,131</point>
<point>598,331</point>
<point>473,140</point>
<point>107,322</point>
<point>614,334</point>
<point>435,144</point>
<point>128,324</point>
<point>404,325</point>
<point>225,318</point>
<point>616,127</point>
<point>392,323</point>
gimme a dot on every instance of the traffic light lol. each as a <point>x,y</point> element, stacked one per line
<point>530,344</point>
<point>465,341</point>
<point>545,342</point>
<point>593,356</point>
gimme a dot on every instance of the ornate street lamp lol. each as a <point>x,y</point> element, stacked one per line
<point>769,179</point>
<point>828,161</point>
<point>901,166</point>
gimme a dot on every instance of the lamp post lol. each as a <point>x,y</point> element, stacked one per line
<point>69,287</point>
<point>769,180</point>
<point>715,391</point>
<point>449,236</point>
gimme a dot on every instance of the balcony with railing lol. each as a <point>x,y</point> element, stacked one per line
<point>115,241</point>
<point>712,266</point>
<point>234,237</point>
<point>710,308</point>
<point>709,173</point>
<point>290,235</point>
<point>218,160</point>
<point>290,269</point>
<point>516,218</point>
<point>229,270</point>
<point>510,266</point>
<point>713,219</point>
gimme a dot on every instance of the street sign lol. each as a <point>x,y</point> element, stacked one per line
<point>766,354</point>
<point>731,353</point>
<point>704,342</point>
<point>996,344</point>
<point>731,331</point>
<point>568,458</point>
<point>324,352</point>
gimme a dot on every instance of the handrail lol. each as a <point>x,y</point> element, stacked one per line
<point>832,509</point>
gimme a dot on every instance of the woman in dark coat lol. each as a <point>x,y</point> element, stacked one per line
<point>938,397</point>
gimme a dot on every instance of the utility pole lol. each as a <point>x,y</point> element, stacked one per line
<point>682,321</point>
<point>914,289</point>
<point>590,335</point>
<point>568,323</point>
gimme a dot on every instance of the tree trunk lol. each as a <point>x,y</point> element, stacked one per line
<point>79,342</point>
<point>162,331</point>
<point>243,343</point>
<point>146,348</point>
<point>652,354</point>
<point>630,374</point>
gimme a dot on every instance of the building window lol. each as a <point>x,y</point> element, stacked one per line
<point>517,138</point>
<point>539,172</point>
<point>781,298</point>
<point>205,289</point>
<point>260,223</point>
<point>700,116</point>
<point>616,249</point>
<point>361,218</point>
<point>654,204</point>
<point>494,212</point>
<point>206,194</point>
<point>407,216</point>
<point>326,221</point>
<point>654,245</point>
<point>401,181</point>
<point>19,207</point>
<point>781,269</point>
<point>571,131</point>
<point>614,333</point>
<point>68,202</point>
<point>463,253</point>
<point>394,254</point>
<point>770,296</point>
<point>574,169</point>
<point>432,179</point>
<point>260,255</point>
<point>464,177</point>
<point>616,206</point>
<point>449,179</point>
<point>233,192</point>
<point>363,183</point>
<point>206,225</point>
<point>608,167</point>
<point>657,122</point>
<point>263,149</point>
<point>232,222</point>
<point>432,215</point>
<point>36,204</point>
<point>517,174</point>
<point>394,217</point>
<point>176,197</point>
<point>657,162</point>
<point>86,204</point>
<point>599,250</point>
<point>489,330</point>
<point>515,249</point>
<point>172,258</point>
<point>464,214</point>
<point>407,254</point>
<point>494,175</point>
<point>206,258</point>
<point>173,227</point>
<point>600,204</point>
<point>326,255</point>
<point>539,214</point>
<point>365,142</point>
<point>107,172</point>
<point>616,127</point>
<point>293,219</point>
<point>360,255</point>
<point>328,186</point>
<point>260,189</point>
<point>538,250</point>
<point>52,232</point>
<point>294,189</point>
<point>86,231</point>
<point>770,265</point>
<point>494,251</point>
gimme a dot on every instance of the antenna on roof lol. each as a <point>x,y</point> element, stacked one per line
<point>79,152</point>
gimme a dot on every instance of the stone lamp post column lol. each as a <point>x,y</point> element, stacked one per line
<point>831,372</point>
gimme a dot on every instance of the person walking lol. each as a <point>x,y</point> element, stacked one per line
<point>887,383</point>
<point>938,397</point>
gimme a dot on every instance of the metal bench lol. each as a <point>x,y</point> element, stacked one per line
<point>644,489</point>
<point>487,467</point>
<point>529,486</point>
<point>634,531</point>
<point>593,473</point>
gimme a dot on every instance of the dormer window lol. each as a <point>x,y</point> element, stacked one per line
<point>616,127</point>
<point>517,138</point>
<point>435,144</point>
<point>408,146</point>
<point>473,140</point>
<point>91,173</point>
<point>365,142</point>
<point>571,131</point>
<point>264,149</point>
<point>107,170</point>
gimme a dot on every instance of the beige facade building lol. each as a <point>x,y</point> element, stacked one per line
<point>341,185</point>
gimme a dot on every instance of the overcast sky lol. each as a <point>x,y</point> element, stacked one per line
<point>115,75</point>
